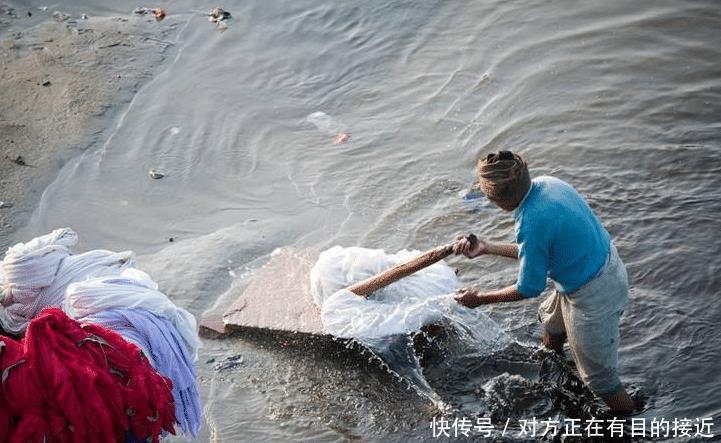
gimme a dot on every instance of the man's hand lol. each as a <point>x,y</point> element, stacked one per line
<point>469,297</point>
<point>463,246</point>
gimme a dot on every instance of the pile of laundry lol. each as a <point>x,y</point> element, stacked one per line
<point>104,351</point>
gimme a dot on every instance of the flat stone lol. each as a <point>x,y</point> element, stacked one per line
<point>278,298</point>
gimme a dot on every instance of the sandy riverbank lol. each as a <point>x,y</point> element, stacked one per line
<point>62,83</point>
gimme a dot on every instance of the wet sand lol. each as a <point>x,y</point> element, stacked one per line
<point>62,84</point>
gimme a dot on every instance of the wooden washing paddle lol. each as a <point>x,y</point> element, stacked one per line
<point>366,287</point>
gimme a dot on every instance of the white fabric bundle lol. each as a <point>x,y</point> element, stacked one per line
<point>131,289</point>
<point>402,307</point>
<point>35,274</point>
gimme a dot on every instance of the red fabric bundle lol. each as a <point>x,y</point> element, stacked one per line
<point>67,382</point>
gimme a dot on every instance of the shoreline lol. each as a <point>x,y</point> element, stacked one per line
<point>62,86</point>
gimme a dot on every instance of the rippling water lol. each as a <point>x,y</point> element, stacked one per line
<point>621,99</point>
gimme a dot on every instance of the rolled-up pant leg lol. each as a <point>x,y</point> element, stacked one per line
<point>594,348</point>
<point>592,316</point>
<point>550,314</point>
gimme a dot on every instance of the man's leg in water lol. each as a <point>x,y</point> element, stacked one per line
<point>594,347</point>
<point>550,315</point>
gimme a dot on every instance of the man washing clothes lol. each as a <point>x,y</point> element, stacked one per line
<point>558,236</point>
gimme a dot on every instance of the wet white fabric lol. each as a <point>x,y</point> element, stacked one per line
<point>34,275</point>
<point>402,307</point>
<point>132,289</point>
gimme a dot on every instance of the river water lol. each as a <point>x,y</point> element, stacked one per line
<point>621,99</point>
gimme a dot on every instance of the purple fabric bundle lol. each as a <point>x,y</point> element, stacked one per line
<point>168,353</point>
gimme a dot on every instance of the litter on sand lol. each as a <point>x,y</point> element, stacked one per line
<point>219,16</point>
<point>158,13</point>
<point>156,175</point>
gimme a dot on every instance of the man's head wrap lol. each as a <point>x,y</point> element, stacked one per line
<point>504,178</point>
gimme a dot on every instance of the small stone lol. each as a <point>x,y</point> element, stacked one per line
<point>47,83</point>
<point>84,16</point>
<point>155,174</point>
<point>30,14</point>
<point>4,205</point>
<point>171,239</point>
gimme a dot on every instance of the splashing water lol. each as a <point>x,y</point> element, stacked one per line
<point>398,321</point>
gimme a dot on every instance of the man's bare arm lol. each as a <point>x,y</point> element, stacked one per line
<point>509,250</point>
<point>471,297</point>
<point>463,245</point>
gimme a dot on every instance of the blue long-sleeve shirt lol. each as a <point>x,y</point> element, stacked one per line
<point>558,236</point>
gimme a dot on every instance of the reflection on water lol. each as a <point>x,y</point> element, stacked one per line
<point>621,99</point>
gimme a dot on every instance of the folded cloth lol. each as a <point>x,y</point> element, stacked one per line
<point>35,274</point>
<point>67,382</point>
<point>132,289</point>
<point>166,350</point>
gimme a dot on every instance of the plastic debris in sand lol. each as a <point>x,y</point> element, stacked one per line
<point>218,16</point>
<point>156,175</point>
<point>60,16</point>
<point>329,125</point>
<point>19,160</point>
<point>158,13</point>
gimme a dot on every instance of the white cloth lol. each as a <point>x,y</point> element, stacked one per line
<point>34,275</point>
<point>35,263</point>
<point>131,289</point>
<point>402,307</point>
